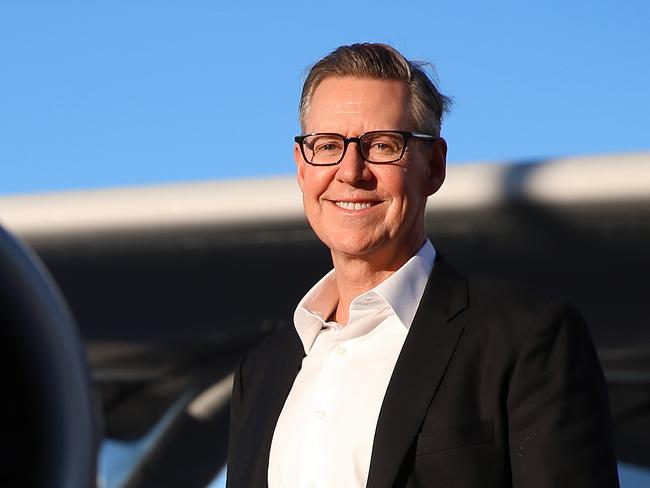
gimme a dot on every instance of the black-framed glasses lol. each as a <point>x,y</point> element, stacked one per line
<point>379,146</point>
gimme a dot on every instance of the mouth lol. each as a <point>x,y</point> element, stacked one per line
<point>354,205</point>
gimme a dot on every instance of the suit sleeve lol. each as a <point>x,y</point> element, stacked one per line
<point>558,407</point>
<point>235,409</point>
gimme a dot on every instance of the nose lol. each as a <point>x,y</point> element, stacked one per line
<point>353,168</point>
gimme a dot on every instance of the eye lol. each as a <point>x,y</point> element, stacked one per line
<point>381,146</point>
<point>383,143</point>
<point>323,144</point>
<point>327,146</point>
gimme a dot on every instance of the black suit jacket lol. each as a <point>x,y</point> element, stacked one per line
<point>495,386</point>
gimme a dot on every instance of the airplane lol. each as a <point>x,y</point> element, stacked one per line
<point>169,285</point>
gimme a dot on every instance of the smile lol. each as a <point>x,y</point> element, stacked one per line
<point>355,205</point>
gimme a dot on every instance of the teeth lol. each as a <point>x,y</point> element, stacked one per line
<point>354,206</point>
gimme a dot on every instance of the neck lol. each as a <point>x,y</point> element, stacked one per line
<point>358,274</point>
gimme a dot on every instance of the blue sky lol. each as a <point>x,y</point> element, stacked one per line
<point>96,94</point>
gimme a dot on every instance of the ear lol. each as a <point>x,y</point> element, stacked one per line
<point>300,164</point>
<point>437,166</point>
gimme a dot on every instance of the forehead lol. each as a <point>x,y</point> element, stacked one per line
<point>347,104</point>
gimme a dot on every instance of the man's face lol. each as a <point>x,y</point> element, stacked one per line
<point>361,209</point>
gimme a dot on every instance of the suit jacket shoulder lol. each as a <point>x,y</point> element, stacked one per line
<point>271,350</point>
<point>509,311</point>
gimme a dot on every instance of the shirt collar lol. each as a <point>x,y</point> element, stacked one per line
<point>401,291</point>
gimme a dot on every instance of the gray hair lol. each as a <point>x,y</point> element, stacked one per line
<point>382,62</point>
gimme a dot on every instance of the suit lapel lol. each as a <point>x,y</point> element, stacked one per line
<point>270,399</point>
<point>428,348</point>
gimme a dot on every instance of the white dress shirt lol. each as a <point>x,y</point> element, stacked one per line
<point>325,432</point>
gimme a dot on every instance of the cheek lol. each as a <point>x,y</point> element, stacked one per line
<point>315,183</point>
<point>408,195</point>
<point>397,186</point>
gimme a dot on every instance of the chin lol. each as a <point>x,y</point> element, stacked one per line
<point>351,246</point>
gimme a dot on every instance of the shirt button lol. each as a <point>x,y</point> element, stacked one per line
<point>341,351</point>
<point>320,414</point>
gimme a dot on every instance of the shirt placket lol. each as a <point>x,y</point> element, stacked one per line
<point>320,420</point>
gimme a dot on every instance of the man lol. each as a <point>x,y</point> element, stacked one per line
<point>400,371</point>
